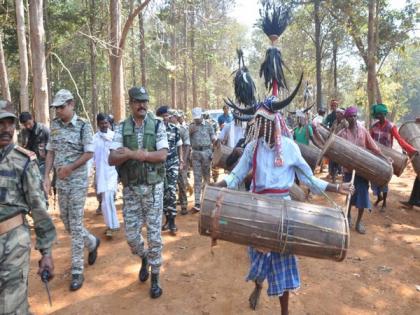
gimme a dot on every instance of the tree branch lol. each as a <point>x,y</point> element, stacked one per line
<point>129,22</point>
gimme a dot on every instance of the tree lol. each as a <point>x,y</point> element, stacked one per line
<point>23,57</point>
<point>117,38</point>
<point>40,87</point>
<point>4,82</point>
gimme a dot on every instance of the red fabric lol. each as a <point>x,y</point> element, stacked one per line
<point>404,144</point>
<point>275,88</point>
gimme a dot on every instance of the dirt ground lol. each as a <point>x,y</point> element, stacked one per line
<point>379,275</point>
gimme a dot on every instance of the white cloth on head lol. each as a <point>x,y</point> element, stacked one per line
<point>269,176</point>
<point>197,113</point>
<point>232,133</point>
<point>108,210</point>
<point>106,175</point>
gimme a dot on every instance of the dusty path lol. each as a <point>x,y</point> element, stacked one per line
<point>379,275</point>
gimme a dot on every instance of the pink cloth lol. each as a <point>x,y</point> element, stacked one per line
<point>360,137</point>
<point>350,111</point>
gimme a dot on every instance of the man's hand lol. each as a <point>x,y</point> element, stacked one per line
<point>46,263</point>
<point>64,171</point>
<point>222,184</point>
<point>193,128</point>
<point>238,150</point>
<point>346,188</point>
<point>181,165</point>
<point>47,186</point>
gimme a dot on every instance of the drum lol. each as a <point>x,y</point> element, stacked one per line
<point>399,160</point>
<point>279,225</point>
<point>351,156</point>
<point>410,131</point>
<point>220,154</point>
<point>310,154</point>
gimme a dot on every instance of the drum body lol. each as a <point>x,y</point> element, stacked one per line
<point>410,131</point>
<point>278,225</point>
<point>220,154</point>
<point>399,160</point>
<point>310,154</point>
<point>351,156</point>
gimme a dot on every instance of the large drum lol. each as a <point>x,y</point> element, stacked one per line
<point>399,160</point>
<point>351,156</point>
<point>410,131</point>
<point>283,226</point>
<point>220,154</point>
<point>310,154</point>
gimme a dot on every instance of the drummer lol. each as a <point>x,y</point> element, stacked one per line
<point>384,132</point>
<point>273,157</point>
<point>358,135</point>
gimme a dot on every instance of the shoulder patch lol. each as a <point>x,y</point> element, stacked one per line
<point>31,155</point>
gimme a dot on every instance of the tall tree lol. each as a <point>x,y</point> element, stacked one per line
<point>142,50</point>
<point>93,57</point>
<point>4,81</point>
<point>23,57</point>
<point>40,87</point>
<point>318,51</point>
<point>173,54</point>
<point>372,88</point>
<point>192,55</point>
<point>118,38</point>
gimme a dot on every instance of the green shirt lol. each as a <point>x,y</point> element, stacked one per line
<point>302,134</point>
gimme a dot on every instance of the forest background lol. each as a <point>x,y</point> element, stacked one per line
<point>184,53</point>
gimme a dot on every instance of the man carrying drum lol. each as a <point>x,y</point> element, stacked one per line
<point>273,157</point>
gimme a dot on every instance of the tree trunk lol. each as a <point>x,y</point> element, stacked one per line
<point>192,52</point>
<point>142,51</point>
<point>93,62</point>
<point>115,60</point>
<point>334,51</point>
<point>23,57</point>
<point>4,81</point>
<point>185,35</point>
<point>48,58</point>
<point>318,52</point>
<point>173,55</point>
<point>133,51</point>
<point>371,65</point>
<point>40,86</point>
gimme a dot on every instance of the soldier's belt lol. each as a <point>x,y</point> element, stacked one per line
<point>11,223</point>
<point>202,148</point>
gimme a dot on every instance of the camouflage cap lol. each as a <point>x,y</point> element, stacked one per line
<point>180,113</point>
<point>61,98</point>
<point>6,110</point>
<point>172,112</point>
<point>138,93</point>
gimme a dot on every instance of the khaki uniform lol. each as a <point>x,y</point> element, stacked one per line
<point>201,137</point>
<point>69,142</point>
<point>20,193</point>
<point>182,177</point>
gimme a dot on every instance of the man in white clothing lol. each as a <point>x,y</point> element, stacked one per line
<point>232,132</point>
<point>106,175</point>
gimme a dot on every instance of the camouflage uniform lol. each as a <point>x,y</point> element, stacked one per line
<point>172,170</point>
<point>214,169</point>
<point>182,177</point>
<point>20,186</point>
<point>201,141</point>
<point>69,142</point>
<point>143,204</point>
<point>36,140</point>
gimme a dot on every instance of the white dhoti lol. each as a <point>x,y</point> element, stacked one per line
<point>109,211</point>
<point>106,178</point>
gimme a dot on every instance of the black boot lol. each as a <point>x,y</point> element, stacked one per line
<point>172,226</point>
<point>165,227</point>
<point>76,282</point>
<point>155,289</point>
<point>144,270</point>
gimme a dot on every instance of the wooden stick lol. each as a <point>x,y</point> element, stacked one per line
<point>348,197</point>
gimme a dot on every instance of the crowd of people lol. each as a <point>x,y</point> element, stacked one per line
<point>150,154</point>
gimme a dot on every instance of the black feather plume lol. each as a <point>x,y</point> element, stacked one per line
<point>243,83</point>
<point>272,69</point>
<point>274,19</point>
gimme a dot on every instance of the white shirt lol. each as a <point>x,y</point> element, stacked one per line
<point>269,176</point>
<point>106,175</point>
<point>232,133</point>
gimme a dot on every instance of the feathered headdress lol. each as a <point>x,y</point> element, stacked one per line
<point>274,21</point>
<point>243,83</point>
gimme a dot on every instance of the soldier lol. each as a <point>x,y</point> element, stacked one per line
<point>139,149</point>
<point>174,162</point>
<point>201,136</point>
<point>21,193</point>
<point>69,148</point>
<point>178,120</point>
<point>34,137</point>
